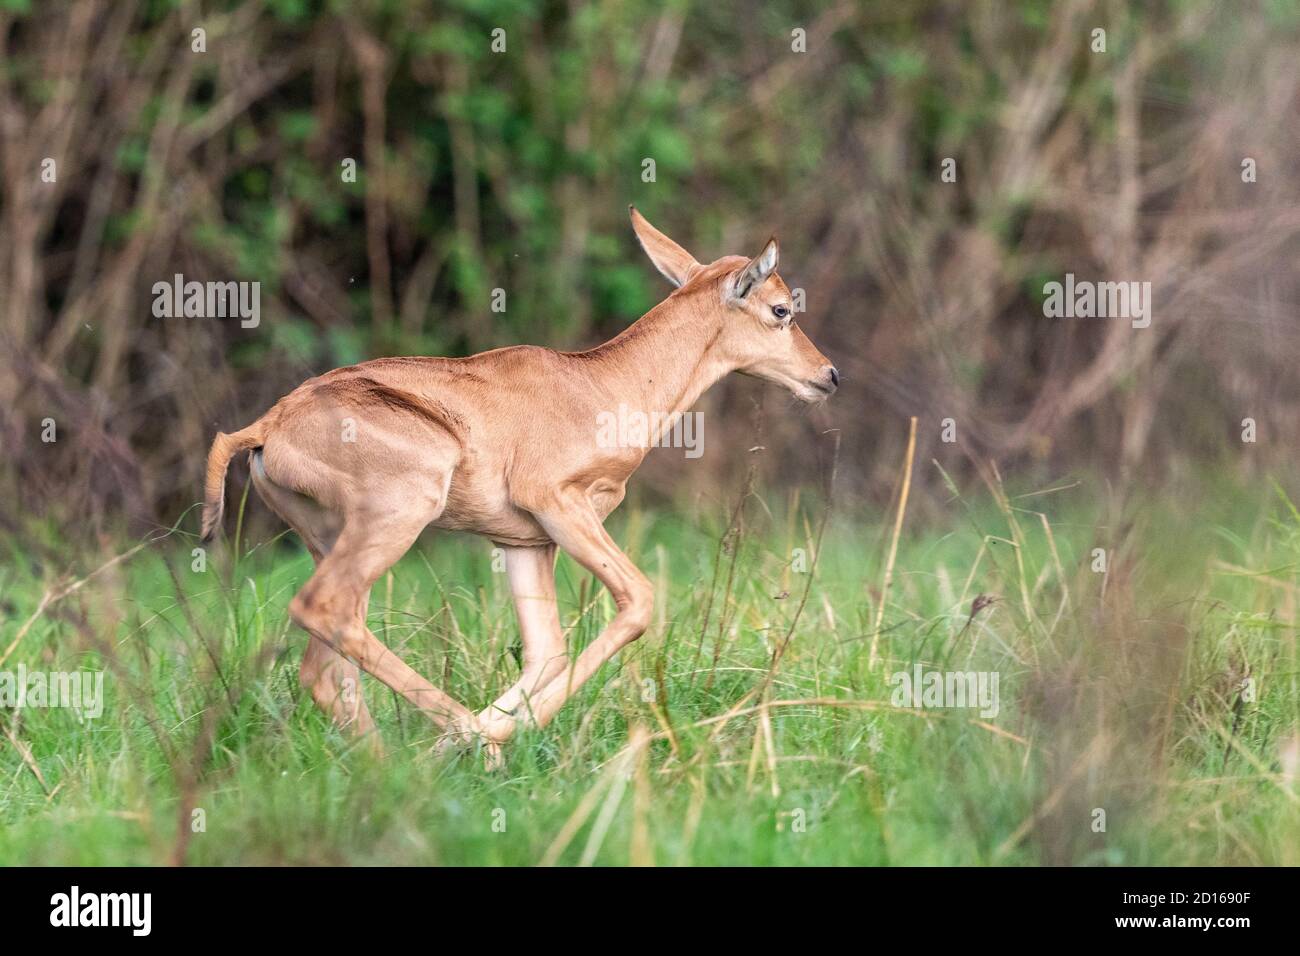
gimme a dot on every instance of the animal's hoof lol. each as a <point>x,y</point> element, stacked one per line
<point>465,735</point>
<point>497,726</point>
<point>492,756</point>
<point>457,737</point>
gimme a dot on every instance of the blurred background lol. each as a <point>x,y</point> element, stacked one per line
<point>828,123</point>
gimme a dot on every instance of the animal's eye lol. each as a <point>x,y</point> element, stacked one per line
<point>780,311</point>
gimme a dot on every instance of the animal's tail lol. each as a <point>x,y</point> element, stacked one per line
<point>224,448</point>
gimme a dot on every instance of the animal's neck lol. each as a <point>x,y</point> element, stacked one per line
<point>665,360</point>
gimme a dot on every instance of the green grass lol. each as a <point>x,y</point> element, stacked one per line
<point>1119,692</point>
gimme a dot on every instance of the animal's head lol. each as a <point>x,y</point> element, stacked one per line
<point>754,310</point>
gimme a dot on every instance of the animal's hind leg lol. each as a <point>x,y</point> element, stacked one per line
<point>332,606</point>
<point>335,685</point>
<point>388,474</point>
<point>333,681</point>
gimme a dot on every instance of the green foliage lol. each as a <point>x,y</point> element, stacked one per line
<point>1123,697</point>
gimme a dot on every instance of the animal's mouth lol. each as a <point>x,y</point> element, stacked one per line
<point>811,393</point>
<point>805,390</point>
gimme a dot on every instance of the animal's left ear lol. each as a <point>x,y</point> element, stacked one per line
<point>759,268</point>
<point>674,262</point>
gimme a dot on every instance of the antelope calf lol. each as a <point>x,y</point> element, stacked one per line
<point>360,460</point>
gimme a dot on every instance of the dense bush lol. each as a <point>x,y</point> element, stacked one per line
<point>479,170</point>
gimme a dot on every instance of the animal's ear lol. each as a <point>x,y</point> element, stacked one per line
<point>669,258</point>
<point>759,268</point>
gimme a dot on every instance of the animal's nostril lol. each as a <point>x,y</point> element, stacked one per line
<point>835,377</point>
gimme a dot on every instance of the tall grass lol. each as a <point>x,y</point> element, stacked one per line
<point>704,743</point>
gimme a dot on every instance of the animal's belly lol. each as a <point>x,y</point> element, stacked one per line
<point>487,511</point>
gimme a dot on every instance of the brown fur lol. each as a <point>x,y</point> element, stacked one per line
<point>500,444</point>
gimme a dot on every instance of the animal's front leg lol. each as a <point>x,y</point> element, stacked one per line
<point>532,583</point>
<point>576,528</point>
